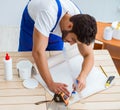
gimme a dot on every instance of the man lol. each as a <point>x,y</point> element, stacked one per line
<point>43,23</point>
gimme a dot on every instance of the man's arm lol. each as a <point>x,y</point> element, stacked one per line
<point>87,53</point>
<point>40,43</point>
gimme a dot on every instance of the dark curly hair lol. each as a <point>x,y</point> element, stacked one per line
<point>85,27</point>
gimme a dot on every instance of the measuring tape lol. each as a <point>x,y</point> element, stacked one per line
<point>61,97</point>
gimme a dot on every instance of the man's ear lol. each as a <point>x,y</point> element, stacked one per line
<point>70,25</point>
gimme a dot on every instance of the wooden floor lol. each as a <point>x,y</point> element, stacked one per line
<point>117,62</point>
<point>14,96</point>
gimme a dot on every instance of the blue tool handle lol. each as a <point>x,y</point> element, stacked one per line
<point>76,84</point>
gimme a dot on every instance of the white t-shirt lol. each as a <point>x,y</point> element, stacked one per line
<point>44,14</point>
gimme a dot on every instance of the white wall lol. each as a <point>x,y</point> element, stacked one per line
<point>10,18</point>
<point>11,12</point>
<point>102,10</point>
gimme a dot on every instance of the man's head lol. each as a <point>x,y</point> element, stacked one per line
<point>84,29</point>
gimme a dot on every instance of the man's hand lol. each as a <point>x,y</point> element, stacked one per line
<point>87,53</point>
<point>80,84</point>
<point>59,87</point>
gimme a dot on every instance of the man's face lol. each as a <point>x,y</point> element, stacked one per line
<point>69,37</point>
